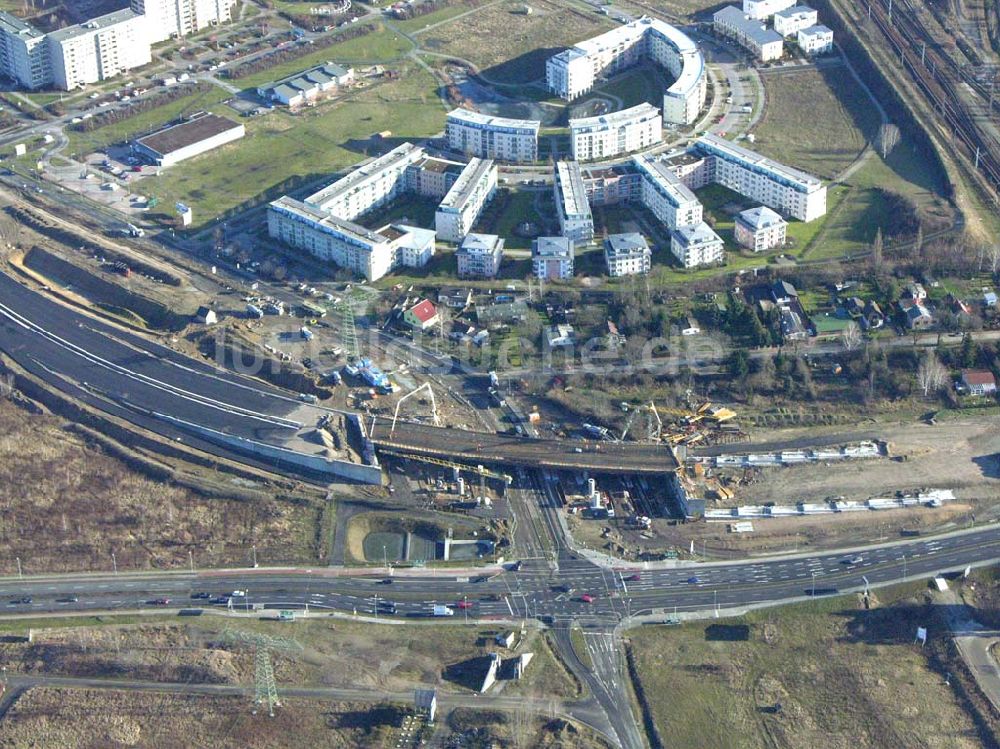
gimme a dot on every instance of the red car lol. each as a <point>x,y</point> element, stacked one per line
<point>587,598</point>
<point>634,578</point>
<point>137,168</point>
<point>463,605</point>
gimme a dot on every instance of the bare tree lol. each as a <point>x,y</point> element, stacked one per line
<point>888,139</point>
<point>993,253</point>
<point>851,336</point>
<point>877,247</point>
<point>931,374</point>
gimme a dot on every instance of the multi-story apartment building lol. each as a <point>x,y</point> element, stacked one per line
<point>696,245</point>
<point>552,258</point>
<point>575,71</point>
<point>575,219</point>
<point>761,10</point>
<point>612,185</point>
<point>101,48</point>
<point>488,137</point>
<point>607,135</point>
<point>479,256</point>
<point>786,190</point>
<point>24,52</point>
<point>465,200</point>
<point>760,229</point>
<point>790,21</point>
<point>663,193</point>
<point>765,44</point>
<point>367,253</point>
<point>432,177</point>
<point>815,40</point>
<point>172,18</point>
<point>370,185</point>
<point>627,255</point>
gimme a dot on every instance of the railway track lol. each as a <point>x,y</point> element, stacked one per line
<point>940,79</point>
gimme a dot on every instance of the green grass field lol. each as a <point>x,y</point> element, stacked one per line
<point>842,676</point>
<point>306,148</point>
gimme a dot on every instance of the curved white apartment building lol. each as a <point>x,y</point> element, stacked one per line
<point>575,71</point>
<point>608,135</point>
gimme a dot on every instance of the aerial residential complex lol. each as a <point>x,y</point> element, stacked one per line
<point>465,200</point>
<point>552,258</point>
<point>170,18</point>
<point>95,50</point>
<point>489,137</point>
<point>751,34</point>
<point>760,229</point>
<point>607,135</point>
<point>761,179</point>
<point>575,71</point>
<point>575,219</point>
<point>324,225</point>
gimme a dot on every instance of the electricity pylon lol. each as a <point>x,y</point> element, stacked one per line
<point>265,688</point>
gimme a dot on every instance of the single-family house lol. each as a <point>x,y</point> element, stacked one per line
<point>206,316</point>
<point>918,317</point>
<point>783,292</point>
<point>422,315</point>
<point>979,381</point>
<point>557,336</point>
<point>454,298</point>
<point>688,326</point>
<point>916,292</point>
<point>989,299</point>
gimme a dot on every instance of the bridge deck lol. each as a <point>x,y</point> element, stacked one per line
<point>506,449</point>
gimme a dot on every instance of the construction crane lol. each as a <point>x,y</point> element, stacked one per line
<point>652,433</point>
<point>478,470</point>
<point>265,689</point>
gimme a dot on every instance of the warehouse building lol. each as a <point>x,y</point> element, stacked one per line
<point>575,71</point>
<point>196,135</point>
<point>763,43</point>
<point>307,87</point>
<point>633,129</point>
<point>465,200</point>
<point>575,219</point>
<point>552,258</point>
<point>488,137</point>
<point>696,245</point>
<point>786,190</point>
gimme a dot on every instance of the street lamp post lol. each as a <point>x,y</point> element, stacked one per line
<point>19,573</point>
<point>813,573</point>
<point>904,566</point>
<point>254,550</point>
<point>114,563</point>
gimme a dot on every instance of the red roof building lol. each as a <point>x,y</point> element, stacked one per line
<point>422,315</point>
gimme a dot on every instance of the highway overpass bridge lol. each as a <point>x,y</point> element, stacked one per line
<point>510,450</point>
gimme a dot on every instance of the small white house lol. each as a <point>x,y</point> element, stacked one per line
<point>206,316</point>
<point>688,326</point>
<point>815,40</point>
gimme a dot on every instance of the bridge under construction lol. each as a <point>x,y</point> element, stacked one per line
<point>486,448</point>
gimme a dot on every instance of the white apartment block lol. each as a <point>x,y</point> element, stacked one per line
<point>786,190</point>
<point>24,52</point>
<point>761,10</point>
<point>368,186</point>
<point>575,219</point>
<point>696,245</point>
<point>627,255</point>
<point>367,253</point>
<point>790,21</point>
<point>760,229</point>
<point>74,56</point>
<point>816,40</point>
<point>607,135</point>
<point>663,193</point>
<point>465,200</point>
<point>750,33</point>
<point>101,48</point>
<point>575,71</point>
<point>552,258</point>
<point>176,18</point>
<point>479,256</point>
<point>431,177</point>
<point>488,137</point>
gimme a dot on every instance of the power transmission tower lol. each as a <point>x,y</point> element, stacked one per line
<point>348,333</point>
<point>265,688</point>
